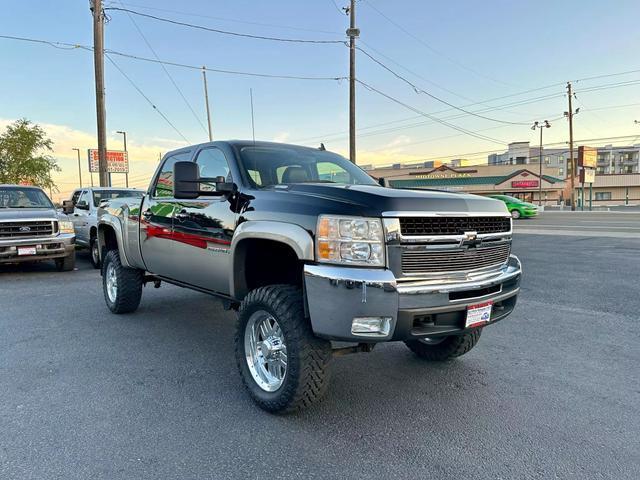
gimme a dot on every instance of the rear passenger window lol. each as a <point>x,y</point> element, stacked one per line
<point>164,181</point>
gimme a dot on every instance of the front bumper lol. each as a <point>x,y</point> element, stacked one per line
<point>47,248</point>
<point>426,308</point>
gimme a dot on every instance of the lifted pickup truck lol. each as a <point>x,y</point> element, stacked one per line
<point>32,231</point>
<point>310,250</point>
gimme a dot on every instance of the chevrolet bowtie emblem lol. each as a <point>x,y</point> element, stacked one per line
<point>470,239</point>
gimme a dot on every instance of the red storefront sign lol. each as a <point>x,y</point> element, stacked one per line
<point>524,183</point>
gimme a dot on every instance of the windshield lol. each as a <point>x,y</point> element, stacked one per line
<point>17,197</point>
<point>99,195</point>
<point>275,165</point>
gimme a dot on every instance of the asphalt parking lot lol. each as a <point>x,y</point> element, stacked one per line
<point>551,392</point>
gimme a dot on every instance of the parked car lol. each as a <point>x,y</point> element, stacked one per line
<point>83,211</point>
<point>517,208</point>
<point>309,249</point>
<point>31,230</point>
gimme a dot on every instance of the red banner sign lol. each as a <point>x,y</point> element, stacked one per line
<point>524,183</point>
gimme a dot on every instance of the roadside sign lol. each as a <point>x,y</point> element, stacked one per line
<point>117,161</point>
<point>587,157</point>
<point>587,175</point>
<point>524,183</point>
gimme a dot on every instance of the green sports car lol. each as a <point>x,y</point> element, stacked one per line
<point>518,208</point>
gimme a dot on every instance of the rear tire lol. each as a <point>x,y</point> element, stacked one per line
<point>94,253</point>
<point>122,286</point>
<point>450,347</point>
<point>286,346</point>
<point>66,264</point>
<point>515,213</point>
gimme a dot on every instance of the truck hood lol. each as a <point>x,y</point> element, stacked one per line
<point>13,214</point>
<point>374,200</point>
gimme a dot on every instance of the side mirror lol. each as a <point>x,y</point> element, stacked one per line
<point>83,205</point>
<point>187,180</point>
<point>67,206</point>
<point>381,182</point>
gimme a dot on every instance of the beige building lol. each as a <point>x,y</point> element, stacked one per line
<point>612,189</point>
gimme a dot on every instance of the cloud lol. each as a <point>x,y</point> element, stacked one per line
<point>282,137</point>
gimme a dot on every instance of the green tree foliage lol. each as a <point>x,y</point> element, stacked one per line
<point>24,155</point>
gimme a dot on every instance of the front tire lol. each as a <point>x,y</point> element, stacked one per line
<point>438,350</point>
<point>66,264</point>
<point>282,363</point>
<point>94,253</point>
<point>122,286</point>
<point>515,213</point>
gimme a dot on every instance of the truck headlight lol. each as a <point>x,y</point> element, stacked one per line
<point>65,226</point>
<point>350,240</point>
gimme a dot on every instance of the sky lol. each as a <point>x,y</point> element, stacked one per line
<point>466,53</point>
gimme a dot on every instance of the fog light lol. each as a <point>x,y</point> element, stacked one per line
<point>371,326</point>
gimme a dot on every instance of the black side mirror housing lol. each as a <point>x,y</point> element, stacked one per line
<point>187,180</point>
<point>67,206</point>
<point>82,205</point>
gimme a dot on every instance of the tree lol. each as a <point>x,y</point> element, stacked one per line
<point>24,155</point>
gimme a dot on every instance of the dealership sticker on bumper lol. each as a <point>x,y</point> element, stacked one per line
<point>478,314</point>
<point>26,250</point>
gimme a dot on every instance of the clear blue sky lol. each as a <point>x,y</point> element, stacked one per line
<point>475,50</point>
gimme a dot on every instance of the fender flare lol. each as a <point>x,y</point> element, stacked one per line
<point>292,235</point>
<point>109,221</point>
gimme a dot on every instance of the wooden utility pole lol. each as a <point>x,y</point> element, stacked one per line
<point>571,159</point>
<point>206,101</point>
<point>352,33</point>
<point>98,60</point>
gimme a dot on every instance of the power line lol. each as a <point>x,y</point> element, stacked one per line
<point>436,119</point>
<point>145,97</point>
<point>419,90</point>
<point>165,70</point>
<point>72,46</point>
<point>222,32</point>
<point>340,11</point>
<point>233,20</point>
<point>437,52</point>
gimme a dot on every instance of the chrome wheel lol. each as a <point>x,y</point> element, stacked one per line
<point>112,282</point>
<point>94,253</point>
<point>265,351</point>
<point>432,340</point>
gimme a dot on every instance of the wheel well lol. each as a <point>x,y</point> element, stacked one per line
<point>93,233</point>
<point>259,262</point>
<point>107,239</point>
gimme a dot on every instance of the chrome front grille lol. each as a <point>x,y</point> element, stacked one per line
<point>425,226</point>
<point>424,260</point>
<point>27,229</point>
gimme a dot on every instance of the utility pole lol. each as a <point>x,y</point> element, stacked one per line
<point>571,159</point>
<point>352,33</point>
<point>126,174</point>
<point>98,60</point>
<point>206,102</point>
<point>79,169</point>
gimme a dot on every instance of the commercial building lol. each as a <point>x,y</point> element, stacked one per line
<point>515,180</point>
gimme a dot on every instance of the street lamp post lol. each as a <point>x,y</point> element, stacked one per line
<point>79,169</point>
<point>126,175</point>
<point>540,126</point>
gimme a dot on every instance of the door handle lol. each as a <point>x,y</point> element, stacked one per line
<point>76,215</point>
<point>147,214</point>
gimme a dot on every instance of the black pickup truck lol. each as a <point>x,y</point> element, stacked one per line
<point>311,251</point>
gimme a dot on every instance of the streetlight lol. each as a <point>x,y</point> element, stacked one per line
<point>126,175</point>
<point>540,126</point>
<point>79,170</point>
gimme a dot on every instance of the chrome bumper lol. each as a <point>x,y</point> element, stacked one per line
<point>335,295</point>
<point>47,248</point>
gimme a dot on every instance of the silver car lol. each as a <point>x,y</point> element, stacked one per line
<point>83,211</point>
